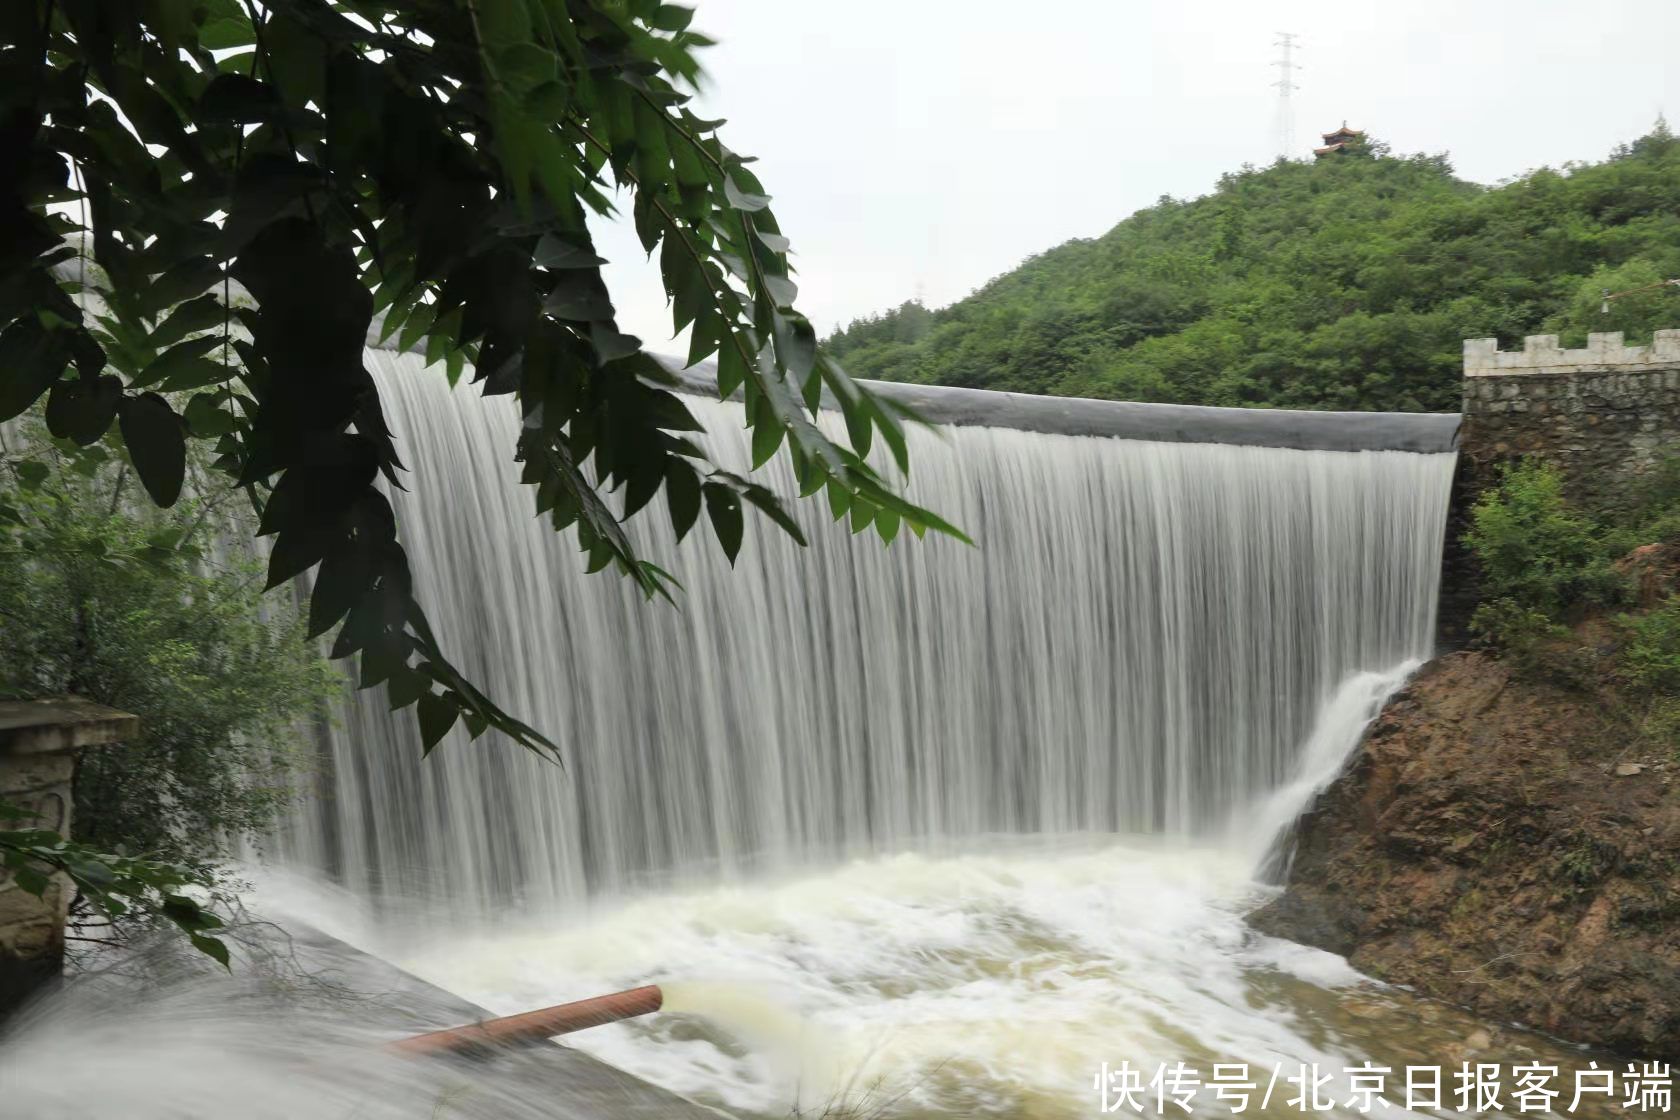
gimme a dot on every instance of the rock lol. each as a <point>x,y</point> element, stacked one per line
<point>1654,570</point>
<point>1478,1040</point>
<point>1562,911</point>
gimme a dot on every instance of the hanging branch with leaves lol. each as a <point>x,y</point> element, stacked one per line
<point>434,163</point>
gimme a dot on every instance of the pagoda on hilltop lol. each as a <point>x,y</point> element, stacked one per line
<point>1339,141</point>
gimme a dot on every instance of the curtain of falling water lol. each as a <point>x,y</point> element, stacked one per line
<point>1139,643</point>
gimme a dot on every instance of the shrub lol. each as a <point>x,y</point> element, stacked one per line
<point>108,598</point>
<point>1651,657</point>
<point>1536,551</point>
<point>1519,632</point>
<point>1662,724</point>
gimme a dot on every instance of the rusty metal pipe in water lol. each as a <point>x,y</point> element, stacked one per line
<point>534,1026</point>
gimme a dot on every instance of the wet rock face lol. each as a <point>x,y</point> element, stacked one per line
<point>1494,847</point>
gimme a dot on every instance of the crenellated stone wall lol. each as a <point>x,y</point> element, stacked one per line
<point>1605,415</point>
<point>38,745</point>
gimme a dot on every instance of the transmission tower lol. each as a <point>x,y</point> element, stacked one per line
<point>1285,85</point>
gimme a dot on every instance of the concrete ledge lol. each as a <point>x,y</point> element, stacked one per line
<point>583,1087</point>
<point>65,724</point>
<point>1161,423</point>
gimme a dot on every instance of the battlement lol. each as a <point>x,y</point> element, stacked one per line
<point>1604,353</point>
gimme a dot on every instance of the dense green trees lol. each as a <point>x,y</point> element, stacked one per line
<point>1347,283</point>
<point>105,597</point>
<point>145,610</point>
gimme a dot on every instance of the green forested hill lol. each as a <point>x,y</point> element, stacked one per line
<point>1347,283</point>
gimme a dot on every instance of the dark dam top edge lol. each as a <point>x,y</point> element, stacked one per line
<point>1423,432</point>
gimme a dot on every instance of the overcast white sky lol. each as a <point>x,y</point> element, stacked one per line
<point>925,146</point>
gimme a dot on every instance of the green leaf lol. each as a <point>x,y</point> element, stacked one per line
<point>839,499</point>
<point>31,879</point>
<point>682,496</point>
<point>524,66</point>
<point>404,687</point>
<point>156,444</point>
<point>82,410</point>
<point>769,505</point>
<point>578,294</point>
<point>31,474</point>
<point>863,512</point>
<point>723,507</point>
<point>732,370</point>
<point>31,358</point>
<point>206,419</point>
<point>237,98</point>
<point>211,947</point>
<point>796,341</point>
<point>437,715</point>
<point>610,343</point>
<point>886,524</point>
<point>189,318</point>
<point>703,340</point>
<point>743,200</point>
<point>343,579</point>
<point>183,360</point>
<point>672,17</point>
<point>782,290</point>
<point>226,33</point>
<point>187,913</point>
<point>767,433</point>
<point>419,321</point>
<point>555,252</point>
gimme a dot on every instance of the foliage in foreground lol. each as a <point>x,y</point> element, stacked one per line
<point>436,163</point>
<point>115,887</point>
<point>104,597</point>
<point>1348,283</point>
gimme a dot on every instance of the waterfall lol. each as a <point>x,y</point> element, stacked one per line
<point>1140,642</point>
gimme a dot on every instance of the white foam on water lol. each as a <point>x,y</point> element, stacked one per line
<point>979,984</point>
<point>939,826</point>
<point>934,830</point>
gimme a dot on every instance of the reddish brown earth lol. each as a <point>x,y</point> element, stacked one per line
<point>1508,843</point>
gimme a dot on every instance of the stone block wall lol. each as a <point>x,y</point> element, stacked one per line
<point>38,745</point>
<point>1604,415</point>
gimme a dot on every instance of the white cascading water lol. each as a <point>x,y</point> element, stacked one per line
<point>919,831</point>
<point>1141,642</point>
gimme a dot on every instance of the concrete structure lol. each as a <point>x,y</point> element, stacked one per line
<point>1159,423</point>
<point>388,1001</point>
<point>38,745</point>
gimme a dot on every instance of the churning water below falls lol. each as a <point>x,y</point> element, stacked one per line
<point>922,831</point>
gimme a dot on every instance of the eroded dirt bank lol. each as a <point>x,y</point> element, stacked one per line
<point>1506,843</point>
